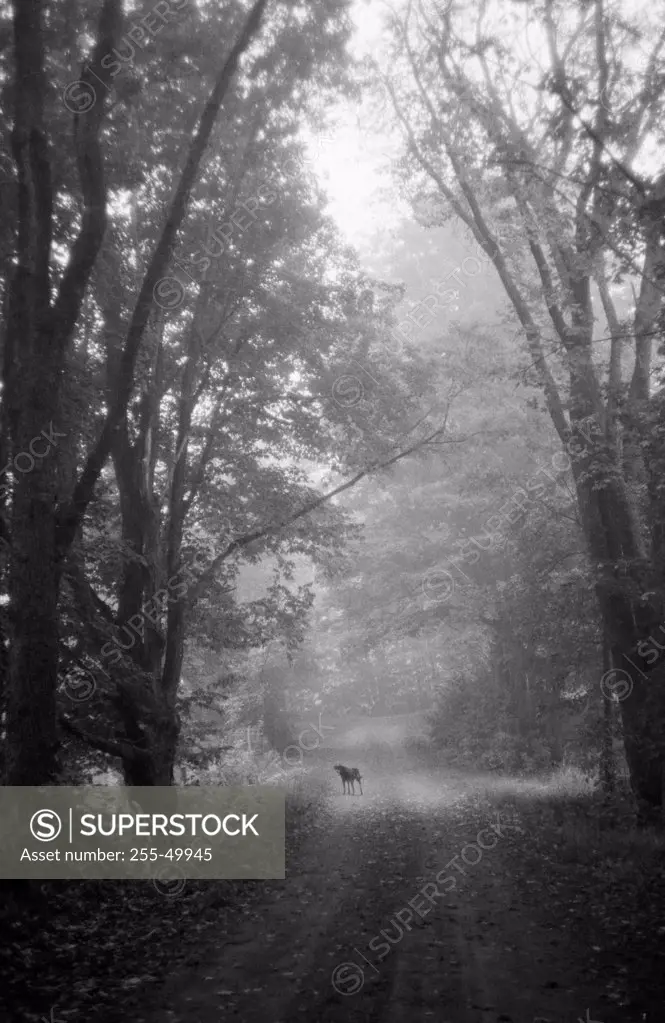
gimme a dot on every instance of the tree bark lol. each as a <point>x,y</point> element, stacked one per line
<point>37,338</point>
<point>607,766</point>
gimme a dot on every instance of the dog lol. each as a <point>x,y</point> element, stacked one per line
<point>349,776</point>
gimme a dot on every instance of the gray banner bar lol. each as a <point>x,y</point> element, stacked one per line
<point>100,832</point>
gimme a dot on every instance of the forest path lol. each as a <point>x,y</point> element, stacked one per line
<point>483,952</point>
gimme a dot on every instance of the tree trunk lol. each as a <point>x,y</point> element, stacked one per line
<point>151,732</point>
<point>607,767</point>
<point>642,714</point>
<point>154,765</point>
<point>37,337</point>
<point>615,547</point>
<point>32,739</point>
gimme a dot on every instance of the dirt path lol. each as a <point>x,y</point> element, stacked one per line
<point>481,952</point>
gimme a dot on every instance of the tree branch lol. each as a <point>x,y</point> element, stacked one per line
<point>31,155</point>
<point>616,344</point>
<point>114,748</point>
<point>258,534</point>
<point>87,597</point>
<point>73,512</point>
<point>87,127</point>
<point>650,297</point>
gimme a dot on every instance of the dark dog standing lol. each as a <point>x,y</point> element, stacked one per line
<point>349,776</point>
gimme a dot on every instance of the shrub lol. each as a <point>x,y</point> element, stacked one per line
<point>471,725</point>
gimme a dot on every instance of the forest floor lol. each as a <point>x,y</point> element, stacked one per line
<point>549,924</point>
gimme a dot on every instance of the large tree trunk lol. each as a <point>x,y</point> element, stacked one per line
<point>628,621</point>
<point>33,585</point>
<point>33,371</point>
<point>153,765</point>
<point>37,337</point>
<point>642,714</point>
